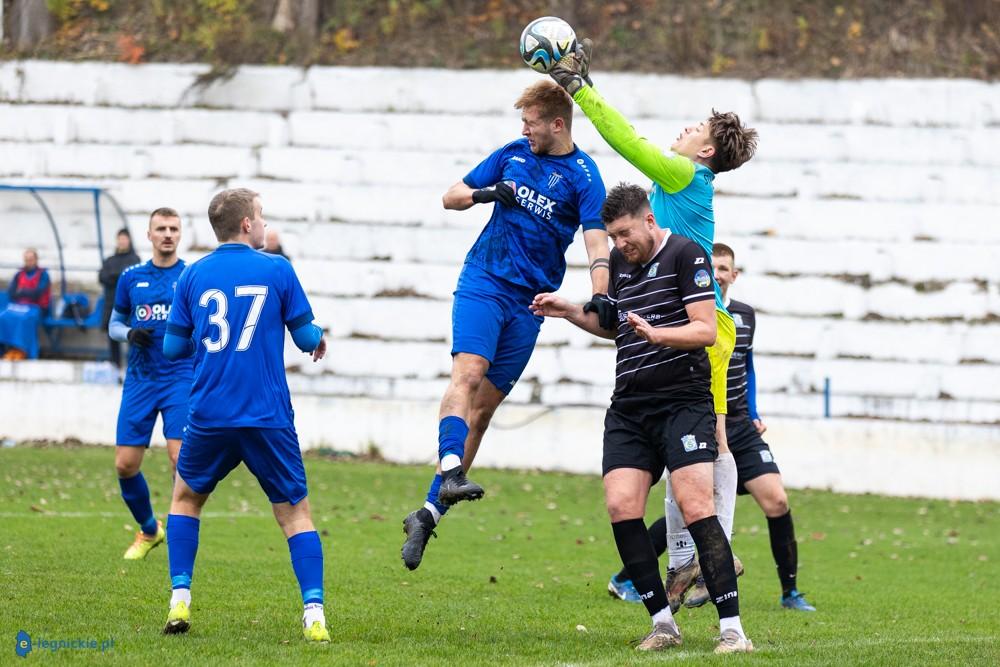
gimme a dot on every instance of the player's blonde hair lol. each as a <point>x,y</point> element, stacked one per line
<point>550,99</point>
<point>227,210</point>
<point>735,143</point>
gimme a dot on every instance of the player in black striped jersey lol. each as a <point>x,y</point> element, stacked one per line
<point>661,413</point>
<point>758,473</point>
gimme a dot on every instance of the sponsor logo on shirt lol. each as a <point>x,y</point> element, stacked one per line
<point>702,279</point>
<point>535,203</point>
<point>156,311</point>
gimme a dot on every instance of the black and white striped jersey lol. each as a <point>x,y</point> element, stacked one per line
<point>678,274</point>
<point>736,379</point>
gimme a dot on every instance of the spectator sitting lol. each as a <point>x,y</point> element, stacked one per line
<point>272,243</point>
<point>124,257</point>
<point>30,293</point>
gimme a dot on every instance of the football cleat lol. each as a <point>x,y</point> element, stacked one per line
<point>143,543</point>
<point>795,600</point>
<point>623,589</point>
<point>419,527</point>
<point>456,487</point>
<point>663,635</point>
<point>178,620</point>
<point>316,632</point>
<point>679,581</point>
<point>732,641</point>
<point>699,594</point>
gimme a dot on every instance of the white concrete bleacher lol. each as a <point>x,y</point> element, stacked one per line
<point>866,226</point>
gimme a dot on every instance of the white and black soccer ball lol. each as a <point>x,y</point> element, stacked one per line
<point>545,41</point>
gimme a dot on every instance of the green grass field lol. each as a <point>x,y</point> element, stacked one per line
<point>510,581</point>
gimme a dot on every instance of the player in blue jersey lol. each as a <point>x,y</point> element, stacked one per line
<point>153,384</point>
<point>230,312</point>
<point>543,189</point>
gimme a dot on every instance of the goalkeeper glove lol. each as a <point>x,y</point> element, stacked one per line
<point>573,71</point>
<point>607,312</point>
<point>500,192</point>
<point>140,337</point>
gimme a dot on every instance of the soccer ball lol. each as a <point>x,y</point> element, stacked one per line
<point>545,41</point>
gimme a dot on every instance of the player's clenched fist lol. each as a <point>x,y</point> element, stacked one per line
<point>500,192</point>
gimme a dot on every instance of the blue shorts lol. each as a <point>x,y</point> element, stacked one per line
<point>490,318</point>
<point>272,455</point>
<point>142,400</point>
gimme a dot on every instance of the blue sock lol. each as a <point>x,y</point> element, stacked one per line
<point>182,547</point>
<point>432,495</point>
<point>452,432</point>
<point>307,561</point>
<point>135,492</point>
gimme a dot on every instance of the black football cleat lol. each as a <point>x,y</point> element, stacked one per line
<point>418,526</point>
<point>456,487</point>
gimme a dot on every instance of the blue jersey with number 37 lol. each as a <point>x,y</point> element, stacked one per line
<point>236,303</point>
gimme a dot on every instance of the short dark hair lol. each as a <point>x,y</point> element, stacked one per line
<point>227,210</point>
<point>163,212</point>
<point>624,199</point>
<point>734,142</point>
<point>721,250</point>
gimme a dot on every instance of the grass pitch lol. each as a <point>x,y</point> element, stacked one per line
<point>516,579</point>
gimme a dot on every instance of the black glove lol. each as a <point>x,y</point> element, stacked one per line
<point>500,192</point>
<point>573,71</point>
<point>607,312</point>
<point>140,337</point>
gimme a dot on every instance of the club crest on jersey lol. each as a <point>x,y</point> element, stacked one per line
<point>690,442</point>
<point>702,279</point>
<point>157,311</point>
<point>554,179</point>
<point>738,319</point>
<point>653,269</point>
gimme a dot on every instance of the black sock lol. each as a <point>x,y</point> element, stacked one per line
<point>785,550</point>
<point>640,562</point>
<point>658,535</point>
<point>716,559</point>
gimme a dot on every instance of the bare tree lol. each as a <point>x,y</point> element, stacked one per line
<point>30,23</point>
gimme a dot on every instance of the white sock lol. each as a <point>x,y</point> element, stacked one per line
<point>731,623</point>
<point>725,474</point>
<point>680,546</point>
<point>450,461</point>
<point>180,595</point>
<point>311,613</point>
<point>664,616</point>
<point>434,512</point>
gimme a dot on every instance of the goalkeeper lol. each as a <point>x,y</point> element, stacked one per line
<point>681,199</point>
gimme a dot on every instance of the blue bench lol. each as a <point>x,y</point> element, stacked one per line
<point>54,326</point>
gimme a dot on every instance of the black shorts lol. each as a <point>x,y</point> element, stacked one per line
<point>651,434</point>
<point>752,454</point>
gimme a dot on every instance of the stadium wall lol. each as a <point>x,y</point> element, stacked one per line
<point>866,228</point>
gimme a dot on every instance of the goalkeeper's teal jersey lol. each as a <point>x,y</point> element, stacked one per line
<point>682,192</point>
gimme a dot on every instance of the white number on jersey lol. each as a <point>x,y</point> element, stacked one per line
<point>218,318</point>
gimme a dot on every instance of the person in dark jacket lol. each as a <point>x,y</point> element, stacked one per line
<point>124,257</point>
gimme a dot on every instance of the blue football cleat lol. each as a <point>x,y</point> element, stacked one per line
<point>623,589</point>
<point>795,600</point>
